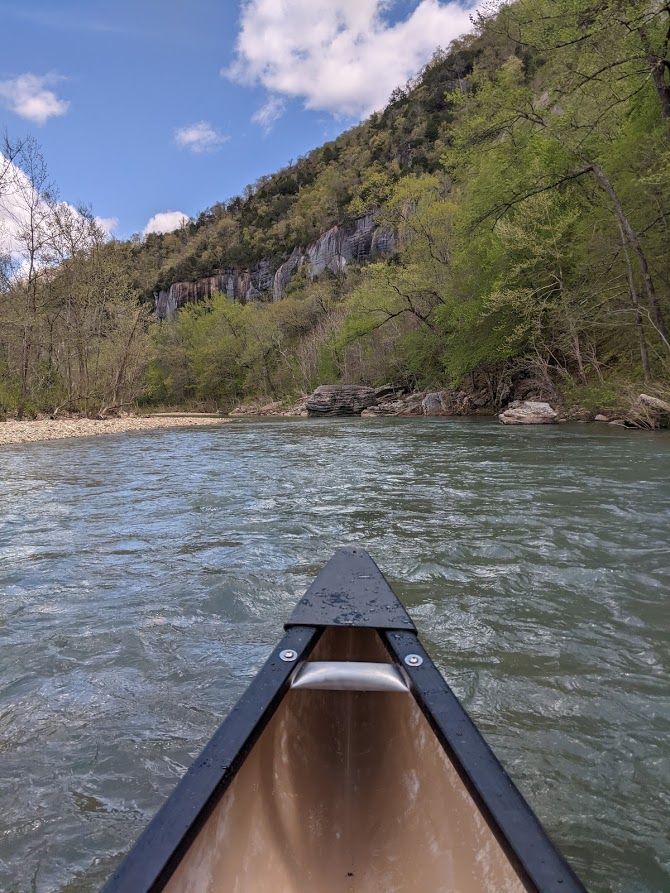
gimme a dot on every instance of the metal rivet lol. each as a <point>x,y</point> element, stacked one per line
<point>288,655</point>
<point>413,660</point>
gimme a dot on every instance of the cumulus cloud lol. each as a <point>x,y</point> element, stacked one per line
<point>339,56</point>
<point>13,213</point>
<point>29,97</point>
<point>20,208</point>
<point>269,113</point>
<point>28,217</point>
<point>107,224</point>
<point>165,222</point>
<point>200,137</point>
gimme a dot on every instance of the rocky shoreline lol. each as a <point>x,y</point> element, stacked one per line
<point>31,431</point>
<point>646,412</point>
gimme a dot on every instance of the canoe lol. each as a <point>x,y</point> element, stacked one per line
<point>348,766</point>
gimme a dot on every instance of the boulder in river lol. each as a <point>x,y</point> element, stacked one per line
<point>340,399</point>
<point>528,412</point>
<point>434,403</point>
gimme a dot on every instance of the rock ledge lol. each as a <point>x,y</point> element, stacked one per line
<point>528,412</point>
<point>340,399</point>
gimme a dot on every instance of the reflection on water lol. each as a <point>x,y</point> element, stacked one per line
<point>145,578</point>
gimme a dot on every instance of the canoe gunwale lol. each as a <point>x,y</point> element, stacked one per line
<point>148,866</point>
<point>511,819</point>
<point>350,592</point>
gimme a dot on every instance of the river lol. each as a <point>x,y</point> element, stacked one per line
<point>144,579</point>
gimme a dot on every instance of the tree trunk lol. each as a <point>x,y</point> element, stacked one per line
<point>634,242</point>
<point>644,355</point>
<point>578,355</point>
<point>25,368</point>
<point>120,372</point>
<point>27,343</point>
<point>657,67</point>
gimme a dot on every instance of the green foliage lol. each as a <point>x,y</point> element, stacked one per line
<point>219,351</point>
<point>598,396</point>
<point>506,171</point>
<point>525,178</point>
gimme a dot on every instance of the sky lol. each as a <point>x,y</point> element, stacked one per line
<point>150,111</point>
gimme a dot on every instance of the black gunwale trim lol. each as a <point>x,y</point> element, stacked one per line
<point>151,862</point>
<point>517,828</point>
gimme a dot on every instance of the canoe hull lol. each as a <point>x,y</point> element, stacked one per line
<point>346,790</point>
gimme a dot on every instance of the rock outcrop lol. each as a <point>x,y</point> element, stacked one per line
<point>340,399</point>
<point>238,285</point>
<point>410,405</point>
<point>433,403</point>
<point>648,412</point>
<point>528,412</point>
<point>654,405</point>
<point>333,251</point>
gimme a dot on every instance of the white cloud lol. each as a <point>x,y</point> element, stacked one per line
<point>339,56</point>
<point>165,222</point>
<point>15,199</point>
<point>27,96</point>
<point>107,224</point>
<point>200,137</point>
<point>28,218</point>
<point>269,113</point>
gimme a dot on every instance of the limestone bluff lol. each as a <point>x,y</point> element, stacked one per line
<point>357,242</point>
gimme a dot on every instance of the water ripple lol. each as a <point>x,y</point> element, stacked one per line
<point>145,578</point>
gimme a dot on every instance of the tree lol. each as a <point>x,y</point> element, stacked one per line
<point>601,61</point>
<point>32,253</point>
<point>540,144</point>
<point>72,327</point>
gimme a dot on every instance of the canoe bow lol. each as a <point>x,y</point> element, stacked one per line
<point>468,830</point>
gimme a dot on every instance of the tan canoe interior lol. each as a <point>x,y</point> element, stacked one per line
<point>346,792</point>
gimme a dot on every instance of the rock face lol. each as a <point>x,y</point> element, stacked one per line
<point>340,399</point>
<point>528,412</point>
<point>334,250</point>
<point>340,246</point>
<point>648,412</point>
<point>654,404</point>
<point>390,402</point>
<point>238,285</point>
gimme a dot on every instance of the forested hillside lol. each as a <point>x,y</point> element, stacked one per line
<point>524,179</point>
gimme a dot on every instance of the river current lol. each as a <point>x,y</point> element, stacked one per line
<point>145,578</point>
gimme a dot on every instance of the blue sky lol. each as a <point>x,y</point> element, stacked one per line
<point>150,106</point>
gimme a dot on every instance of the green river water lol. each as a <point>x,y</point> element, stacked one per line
<point>145,578</point>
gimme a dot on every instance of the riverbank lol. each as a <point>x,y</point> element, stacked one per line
<point>642,410</point>
<point>30,431</point>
